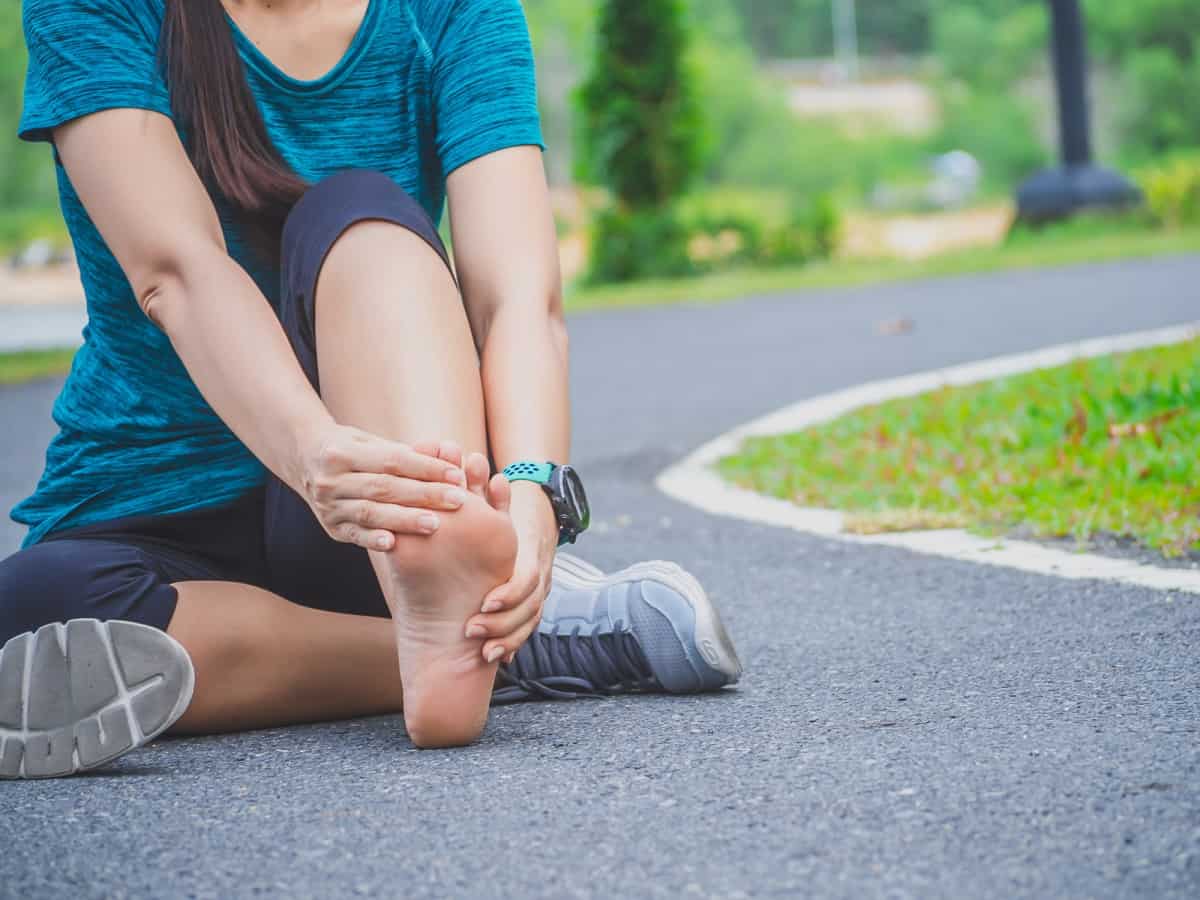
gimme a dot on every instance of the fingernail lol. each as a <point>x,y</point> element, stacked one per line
<point>428,523</point>
<point>494,654</point>
<point>383,543</point>
<point>491,606</point>
<point>455,497</point>
<point>476,631</point>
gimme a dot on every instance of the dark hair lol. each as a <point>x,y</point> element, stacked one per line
<point>226,137</point>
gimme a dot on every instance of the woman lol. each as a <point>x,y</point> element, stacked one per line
<point>274,436</point>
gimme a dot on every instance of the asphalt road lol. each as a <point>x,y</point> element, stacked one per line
<point>908,726</point>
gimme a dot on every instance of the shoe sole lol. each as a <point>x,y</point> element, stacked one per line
<point>75,696</point>
<point>712,639</point>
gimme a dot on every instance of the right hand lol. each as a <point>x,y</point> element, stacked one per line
<point>365,490</point>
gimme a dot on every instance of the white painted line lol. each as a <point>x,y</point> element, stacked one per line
<point>694,482</point>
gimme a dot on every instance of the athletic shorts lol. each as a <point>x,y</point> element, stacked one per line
<point>125,568</point>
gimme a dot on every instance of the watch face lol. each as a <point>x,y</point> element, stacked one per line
<point>574,499</point>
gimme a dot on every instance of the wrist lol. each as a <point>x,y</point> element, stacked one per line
<point>529,500</point>
<point>309,437</point>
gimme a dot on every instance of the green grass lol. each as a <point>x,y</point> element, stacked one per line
<point>1106,446</point>
<point>1081,244</point>
<point>17,368</point>
<point>19,226</point>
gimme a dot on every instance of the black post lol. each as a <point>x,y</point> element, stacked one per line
<point>1077,184</point>
<point>1070,75</point>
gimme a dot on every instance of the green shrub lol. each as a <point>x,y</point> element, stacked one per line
<point>733,228</point>
<point>641,124</point>
<point>632,244</point>
<point>1173,192</point>
<point>996,128</point>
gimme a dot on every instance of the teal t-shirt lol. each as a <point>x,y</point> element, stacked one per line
<point>426,87</point>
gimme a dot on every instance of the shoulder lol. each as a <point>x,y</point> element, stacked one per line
<point>134,16</point>
<point>442,21</point>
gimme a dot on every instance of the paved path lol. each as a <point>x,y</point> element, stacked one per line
<point>908,727</point>
<point>42,326</point>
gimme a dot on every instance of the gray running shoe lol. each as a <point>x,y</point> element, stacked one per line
<point>647,628</point>
<point>76,696</point>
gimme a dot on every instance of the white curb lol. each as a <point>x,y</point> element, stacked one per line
<point>694,482</point>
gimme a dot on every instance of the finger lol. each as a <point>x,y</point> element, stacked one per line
<point>428,448</point>
<point>451,452</point>
<point>494,651</point>
<point>499,493</point>
<point>501,624</point>
<point>478,471</point>
<point>363,516</point>
<point>363,537</point>
<point>399,491</point>
<point>509,595</point>
<point>388,457</point>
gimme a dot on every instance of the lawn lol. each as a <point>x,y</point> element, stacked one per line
<point>1106,446</point>
<point>16,368</point>
<point>1076,243</point>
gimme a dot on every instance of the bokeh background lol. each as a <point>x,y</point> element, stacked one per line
<point>701,149</point>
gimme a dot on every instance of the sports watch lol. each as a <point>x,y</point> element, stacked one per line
<point>565,490</point>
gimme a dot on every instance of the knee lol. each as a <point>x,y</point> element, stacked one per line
<point>333,210</point>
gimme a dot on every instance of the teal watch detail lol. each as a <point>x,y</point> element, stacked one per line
<point>538,473</point>
<point>565,490</point>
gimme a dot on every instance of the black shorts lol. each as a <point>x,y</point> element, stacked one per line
<point>124,569</point>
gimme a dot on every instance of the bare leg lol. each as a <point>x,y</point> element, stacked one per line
<point>262,662</point>
<point>397,359</point>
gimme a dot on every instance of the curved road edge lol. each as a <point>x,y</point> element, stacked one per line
<point>693,480</point>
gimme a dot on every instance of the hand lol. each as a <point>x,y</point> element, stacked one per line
<point>365,490</point>
<point>511,612</point>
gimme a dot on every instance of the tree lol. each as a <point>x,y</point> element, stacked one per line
<point>642,138</point>
<point>641,122</point>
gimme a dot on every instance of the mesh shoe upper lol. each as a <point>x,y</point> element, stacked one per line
<point>617,638</point>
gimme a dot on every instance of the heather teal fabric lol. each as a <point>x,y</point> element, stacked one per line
<point>426,87</point>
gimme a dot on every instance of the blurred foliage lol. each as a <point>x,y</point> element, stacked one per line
<point>1155,44</point>
<point>641,123</point>
<point>1097,447</point>
<point>633,244</point>
<point>746,136</point>
<point>26,178</point>
<point>642,132</point>
<point>1172,192</point>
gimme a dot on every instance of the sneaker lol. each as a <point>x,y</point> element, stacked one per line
<point>647,628</point>
<point>76,696</point>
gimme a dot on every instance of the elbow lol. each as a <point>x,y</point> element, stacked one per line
<point>165,280</point>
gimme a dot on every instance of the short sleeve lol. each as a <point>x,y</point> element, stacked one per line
<point>484,87</point>
<point>89,55</point>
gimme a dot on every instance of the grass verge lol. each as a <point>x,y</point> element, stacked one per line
<point>1103,446</point>
<point>29,365</point>
<point>1068,246</point>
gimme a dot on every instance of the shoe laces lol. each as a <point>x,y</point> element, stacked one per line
<point>559,665</point>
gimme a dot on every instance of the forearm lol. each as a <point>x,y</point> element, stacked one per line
<point>525,363</point>
<point>235,350</point>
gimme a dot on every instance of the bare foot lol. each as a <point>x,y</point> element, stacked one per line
<point>435,584</point>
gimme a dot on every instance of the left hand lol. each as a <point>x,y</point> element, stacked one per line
<point>512,611</point>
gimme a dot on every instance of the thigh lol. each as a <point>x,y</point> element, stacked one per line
<point>305,565</point>
<point>59,580</point>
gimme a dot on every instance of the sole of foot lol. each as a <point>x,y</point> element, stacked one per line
<point>439,582</point>
<point>75,696</point>
<point>712,638</point>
